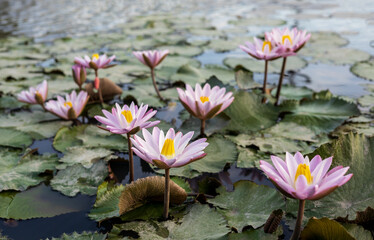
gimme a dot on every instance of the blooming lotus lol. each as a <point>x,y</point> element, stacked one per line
<point>96,62</point>
<point>152,59</point>
<point>35,95</point>
<point>287,41</point>
<point>205,103</point>
<point>127,119</point>
<point>69,108</point>
<point>168,151</point>
<point>79,74</point>
<point>261,50</point>
<point>299,178</point>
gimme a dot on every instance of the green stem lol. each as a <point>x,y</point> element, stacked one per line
<point>280,81</point>
<point>154,84</point>
<point>131,159</point>
<point>202,128</point>
<point>265,77</point>
<point>296,232</point>
<point>167,193</point>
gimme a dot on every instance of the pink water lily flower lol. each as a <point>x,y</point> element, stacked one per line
<point>127,119</point>
<point>205,103</point>
<point>170,150</point>
<point>35,95</point>
<point>287,41</point>
<point>96,62</point>
<point>69,108</point>
<point>79,74</point>
<point>151,58</point>
<point>261,50</point>
<point>299,178</point>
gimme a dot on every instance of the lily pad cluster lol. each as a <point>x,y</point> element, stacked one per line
<point>248,131</point>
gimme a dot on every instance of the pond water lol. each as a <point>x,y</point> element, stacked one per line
<point>46,21</point>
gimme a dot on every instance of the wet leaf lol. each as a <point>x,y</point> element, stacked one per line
<point>14,138</point>
<point>364,69</point>
<point>256,234</point>
<point>324,229</point>
<point>18,173</point>
<point>249,205</point>
<point>38,202</point>
<point>258,21</point>
<point>78,179</point>
<point>84,156</point>
<point>81,236</point>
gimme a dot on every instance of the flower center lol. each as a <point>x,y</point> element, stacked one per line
<point>284,37</point>
<point>264,46</point>
<point>127,114</point>
<point>95,56</point>
<point>168,149</point>
<point>204,99</point>
<point>68,104</point>
<point>304,169</point>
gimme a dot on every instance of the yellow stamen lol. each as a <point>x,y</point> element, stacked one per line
<point>264,45</point>
<point>127,114</point>
<point>284,37</point>
<point>304,169</point>
<point>168,149</point>
<point>204,99</point>
<point>95,56</point>
<point>68,104</point>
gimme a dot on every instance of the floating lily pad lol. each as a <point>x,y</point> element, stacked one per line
<point>326,40</point>
<point>258,21</point>
<point>357,231</point>
<point>189,51</point>
<point>322,116</point>
<point>201,222</point>
<point>84,156</point>
<point>249,114</point>
<point>81,236</point>
<point>324,229</point>
<point>256,234</point>
<point>38,202</point>
<point>14,138</point>
<point>66,137</point>
<point>18,173</point>
<point>78,179</point>
<point>338,56</point>
<point>43,130</point>
<point>249,158</point>
<point>294,63</point>
<point>107,199</point>
<point>249,205</point>
<point>293,131</point>
<point>364,69</point>
<point>296,93</point>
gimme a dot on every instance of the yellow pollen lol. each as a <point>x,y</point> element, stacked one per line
<point>284,37</point>
<point>68,104</point>
<point>168,149</point>
<point>95,56</point>
<point>264,45</point>
<point>204,99</point>
<point>127,114</point>
<point>304,169</point>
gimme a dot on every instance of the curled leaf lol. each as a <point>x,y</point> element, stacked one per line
<point>149,189</point>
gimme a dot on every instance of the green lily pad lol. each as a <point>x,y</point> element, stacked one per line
<point>324,229</point>
<point>24,118</point>
<point>337,56</point>
<point>212,126</point>
<point>326,40</point>
<point>43,130</point>
<point>249,158</point>
<point>66,137</point>
<point>81,236</point>
<point>84,156</point>
<point>364,69</point>
<point>294,63</point>
<point>189,51</point>
<point>10,102</point>
<point>322,116</point>
<point>145,94</point>
<point>249,114</point>
<point>249,205</point>
<point>296,93</point>
<point>244,79</point>
<point>107,200</point>
<point>258,21</point>
<point>293,131</point>
<point>201,222</point>
<point>357,231</point>
<point>78,179</point>
<point>256,234</point>
<point>14,138</point>
<point>38,202</point>
<point>18,173</point>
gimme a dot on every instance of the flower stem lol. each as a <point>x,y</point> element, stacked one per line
<point>265,77</point>
<point>100,94</point>
<point>265,81</point>
<point>202,128</point>
<point>280,81</point>
<point>296,232</point>
<point>155,85</point>
<point>167,193</point>
<point>131,159</point>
